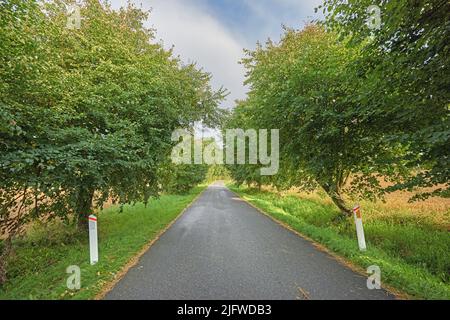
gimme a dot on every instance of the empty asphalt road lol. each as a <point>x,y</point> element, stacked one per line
<point>222,248</point>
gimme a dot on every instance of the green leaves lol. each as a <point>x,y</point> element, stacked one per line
<point>308,87</point>
<point>406,79</point>
<point>353,101</point>
<point>87,114</point>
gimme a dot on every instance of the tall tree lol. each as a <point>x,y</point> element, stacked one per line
<point>406,64</point>
<point>305,87</point>
<point>87,113</point>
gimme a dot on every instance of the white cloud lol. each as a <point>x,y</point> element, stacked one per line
<point>198,36</point>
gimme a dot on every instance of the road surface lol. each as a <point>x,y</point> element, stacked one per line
<point>223,248</point>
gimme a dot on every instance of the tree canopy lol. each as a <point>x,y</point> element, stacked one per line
<point>356,105</point>
<point>406,68</point>
<point>87,113</point>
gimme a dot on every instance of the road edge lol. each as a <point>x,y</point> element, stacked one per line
<point>108,287</point>
<point>398,294</point>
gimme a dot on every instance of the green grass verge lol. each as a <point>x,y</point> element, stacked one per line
<point>38,267</point>
<point>412,259</point>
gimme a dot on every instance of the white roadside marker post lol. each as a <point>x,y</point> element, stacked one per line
<point>93,240</point>
<point>359,228</point>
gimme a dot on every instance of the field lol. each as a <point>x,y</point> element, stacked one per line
<point>409,241</point>
<point>37,269</point>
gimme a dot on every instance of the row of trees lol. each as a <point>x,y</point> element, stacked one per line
<point>355,104</point>
<point>86,114</point>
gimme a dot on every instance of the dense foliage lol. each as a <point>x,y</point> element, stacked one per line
<point>179,178</point>
<point>355,105</point>
<point>87,113</point>
<point>309,79</point>
<point>407,79</point>
<point>241,173</point>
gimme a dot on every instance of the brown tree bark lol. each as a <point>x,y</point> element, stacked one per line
<point>4,254</point>
<point>13,226</point>
<point>335,194</point>
<point>84,206</point>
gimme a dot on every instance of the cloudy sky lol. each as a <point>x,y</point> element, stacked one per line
<point>214,33</point>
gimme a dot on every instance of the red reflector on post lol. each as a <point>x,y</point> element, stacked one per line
<point>357,211</point>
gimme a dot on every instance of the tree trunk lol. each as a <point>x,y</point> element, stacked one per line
<point>84,206</point>
<point>4,255</point>
<point>335,195</point>
<point>340,203</point>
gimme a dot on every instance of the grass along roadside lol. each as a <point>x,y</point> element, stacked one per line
<point>38,268</point>
<point>412,259</point>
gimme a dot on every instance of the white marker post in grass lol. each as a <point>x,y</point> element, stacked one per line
<point>93,241</point>
<point>359,228</point>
